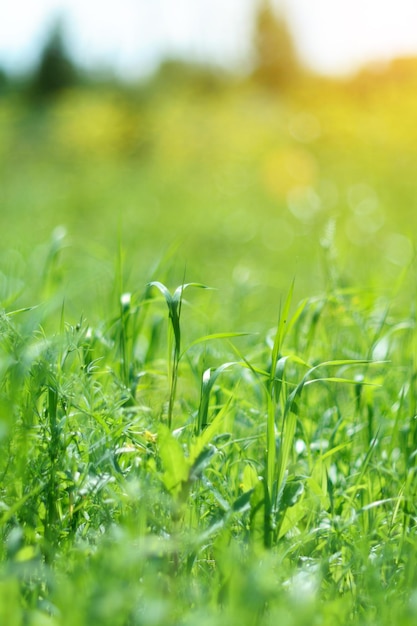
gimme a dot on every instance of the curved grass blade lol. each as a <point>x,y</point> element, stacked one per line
<point>174,303</point>
<point>209,378</point>
<point>213,336</point>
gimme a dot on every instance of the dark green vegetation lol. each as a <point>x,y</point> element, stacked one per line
<point>238,454</point>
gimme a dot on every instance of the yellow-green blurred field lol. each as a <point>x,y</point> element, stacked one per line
<point>236,186</point>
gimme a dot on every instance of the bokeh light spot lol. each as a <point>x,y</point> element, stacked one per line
<point>285,169</point>
<point>304,203</point>
<point>304,127</point>
<point>398,249</point>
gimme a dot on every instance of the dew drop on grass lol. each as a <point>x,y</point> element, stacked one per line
<point>125,300</point>
<point>381,349</point>
<point>300,446</point>
<point>59,233</point>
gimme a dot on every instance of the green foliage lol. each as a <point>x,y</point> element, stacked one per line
<point>234,461</point>
<point>274,497</point>
<point>277,65</point>
<point>174,303</point>
<point>55,71</point>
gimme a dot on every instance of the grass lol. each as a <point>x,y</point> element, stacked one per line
<point>279,485</point>
<point>238,454</point>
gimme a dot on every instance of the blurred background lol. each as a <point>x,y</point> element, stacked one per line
<point>241,144</point>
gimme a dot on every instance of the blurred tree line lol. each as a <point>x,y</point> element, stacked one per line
<point>275,63</point>
<point>56,70</point>
<point>275,67</point>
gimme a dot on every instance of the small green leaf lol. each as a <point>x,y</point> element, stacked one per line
<point>173,459</point>
<point>202,461</point>
<point>242,503</point>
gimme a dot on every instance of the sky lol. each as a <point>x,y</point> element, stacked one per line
<point>131,36</point>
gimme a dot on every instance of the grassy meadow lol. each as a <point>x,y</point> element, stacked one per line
<point>208,353</point>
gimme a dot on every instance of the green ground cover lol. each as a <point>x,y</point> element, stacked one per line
<point>235,450</point>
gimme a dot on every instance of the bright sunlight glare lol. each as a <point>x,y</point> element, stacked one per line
<point>337,36</point>
<point>131,36</point>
